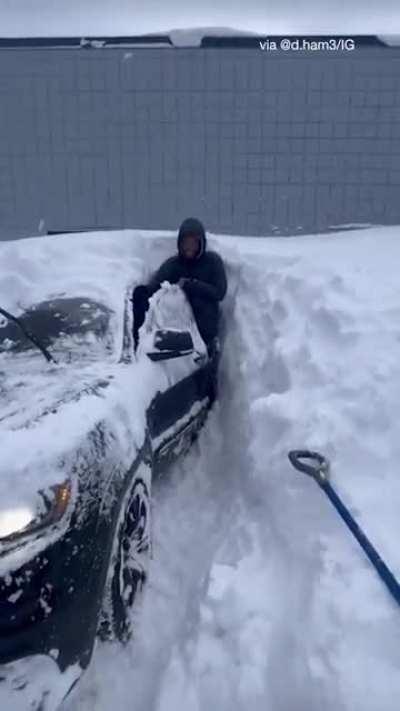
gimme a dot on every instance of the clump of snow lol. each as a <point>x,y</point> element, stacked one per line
<point>38,678</point>
<point>170,309</point>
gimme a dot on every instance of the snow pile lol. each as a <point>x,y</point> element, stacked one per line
<point>35,270</point>
<point>50,412</point>
<point>258,595</point>
<point>290,615</point>
<point>301,620</point>
<point>32,678</point>
<point>96,265</point>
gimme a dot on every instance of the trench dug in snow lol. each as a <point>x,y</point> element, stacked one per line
<point>250,585</point>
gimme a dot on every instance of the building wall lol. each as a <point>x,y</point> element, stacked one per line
<point>250,141</point>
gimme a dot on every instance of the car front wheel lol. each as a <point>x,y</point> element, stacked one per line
<point>128,563</point>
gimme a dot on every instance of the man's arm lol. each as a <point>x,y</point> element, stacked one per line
<point>166,272</point>
<point>215,291</point>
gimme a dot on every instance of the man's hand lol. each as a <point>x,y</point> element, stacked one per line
<point>183,281</point>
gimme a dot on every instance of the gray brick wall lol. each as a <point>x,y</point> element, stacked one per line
<point>252,142</point>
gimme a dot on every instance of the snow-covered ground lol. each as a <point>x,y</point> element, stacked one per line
<point>258,596</point>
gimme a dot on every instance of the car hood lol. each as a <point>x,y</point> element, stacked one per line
<point>46,415</point>
<point>28,395</point>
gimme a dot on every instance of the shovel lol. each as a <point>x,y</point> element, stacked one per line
<point>318,469</point>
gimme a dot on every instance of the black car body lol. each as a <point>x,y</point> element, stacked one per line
<point>101,423</point>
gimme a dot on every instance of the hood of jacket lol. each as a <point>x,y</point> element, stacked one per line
<point>192,226</point>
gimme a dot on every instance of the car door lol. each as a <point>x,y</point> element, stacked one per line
<point>175,411</point>
<point>175,415</point>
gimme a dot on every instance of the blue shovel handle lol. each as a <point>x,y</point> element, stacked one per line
<point>319,471</point>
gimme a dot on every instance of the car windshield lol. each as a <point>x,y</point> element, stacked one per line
<point>75,326</point>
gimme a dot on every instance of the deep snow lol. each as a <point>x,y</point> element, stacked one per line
<point>258,596</point>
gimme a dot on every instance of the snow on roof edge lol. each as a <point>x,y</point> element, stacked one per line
<point>390,40</point>
<point>193,36</point>
<point>178,37</point>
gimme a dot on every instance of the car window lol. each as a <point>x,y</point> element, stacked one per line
<point>77,325</point>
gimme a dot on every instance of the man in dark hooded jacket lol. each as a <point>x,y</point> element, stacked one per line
<point>200,273</point>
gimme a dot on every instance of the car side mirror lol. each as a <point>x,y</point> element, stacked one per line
<point>171,344</point>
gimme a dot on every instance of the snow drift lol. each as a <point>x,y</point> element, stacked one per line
<point>258,596</point>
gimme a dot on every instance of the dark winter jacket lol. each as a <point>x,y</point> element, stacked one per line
<point>206,288</point>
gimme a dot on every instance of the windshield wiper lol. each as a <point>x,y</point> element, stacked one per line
<point>29,335</point>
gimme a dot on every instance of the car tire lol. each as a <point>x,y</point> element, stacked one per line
<point>128,563</point>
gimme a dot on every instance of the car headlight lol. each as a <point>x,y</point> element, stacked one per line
<point>26,520</point>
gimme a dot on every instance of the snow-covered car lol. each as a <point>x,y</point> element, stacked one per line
<point>85,425</point>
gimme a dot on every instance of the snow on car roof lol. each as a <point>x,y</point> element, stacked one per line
<point>100,266</point>
<point>97,265</point>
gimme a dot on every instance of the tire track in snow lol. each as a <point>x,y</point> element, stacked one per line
<point>202,498</point>
<point>295,564</point>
